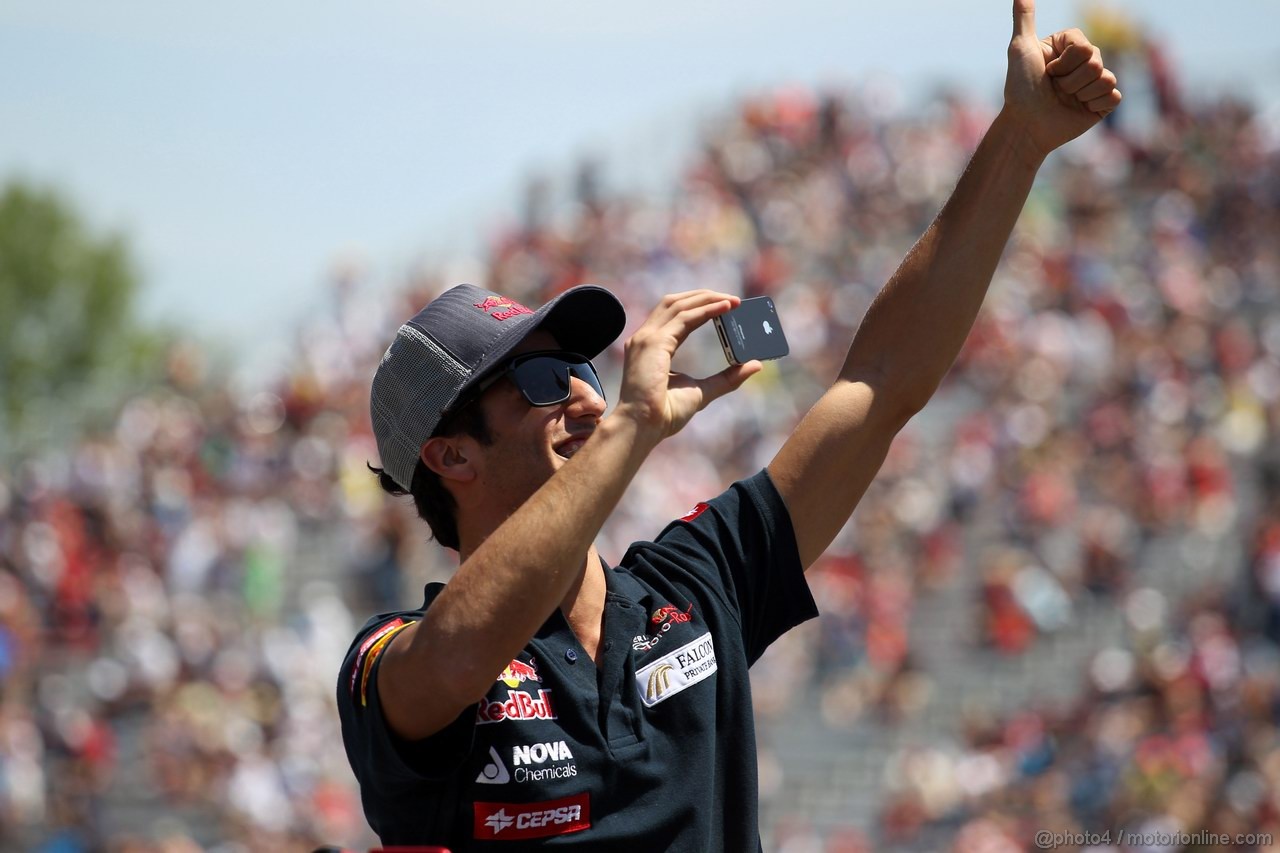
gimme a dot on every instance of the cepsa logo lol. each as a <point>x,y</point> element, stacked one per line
<point>514,821</point>
<point>501,308</point>
<point>517,706</point>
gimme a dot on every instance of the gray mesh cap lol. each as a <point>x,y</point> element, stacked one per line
<point>452,343</point>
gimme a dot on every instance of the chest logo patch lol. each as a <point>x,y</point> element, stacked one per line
<point>517,706</point>
<point>660,623</point>
<point>515,821</point>
<point>518,672</point>
<point>495,772</point>
<point>681,669</point>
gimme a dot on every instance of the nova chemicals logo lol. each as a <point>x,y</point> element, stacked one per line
<point>557,753</point>
<point>537,753</point>
<point>495,772</point>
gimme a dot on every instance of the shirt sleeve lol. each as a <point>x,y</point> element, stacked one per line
<point>382,761</point>
<point>742,544</point>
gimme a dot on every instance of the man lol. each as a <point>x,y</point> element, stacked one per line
<point>542,697</point>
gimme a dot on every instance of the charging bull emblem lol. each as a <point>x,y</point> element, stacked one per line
<point>518,672</point>
<point>501,308</point>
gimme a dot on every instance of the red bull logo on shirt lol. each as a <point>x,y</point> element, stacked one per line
<point>517,706</point>
<point>518,672</point>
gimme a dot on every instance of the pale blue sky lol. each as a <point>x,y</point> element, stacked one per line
<point>243,147</point>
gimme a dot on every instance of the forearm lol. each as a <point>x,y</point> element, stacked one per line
<point>916,325</point>
<point>515,579</point>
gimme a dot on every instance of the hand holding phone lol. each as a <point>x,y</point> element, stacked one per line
<point>751,331</point>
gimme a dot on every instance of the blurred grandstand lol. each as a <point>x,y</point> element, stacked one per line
<point>1058,607</point>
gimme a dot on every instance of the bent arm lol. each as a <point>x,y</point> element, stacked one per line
<point>906,343</point>
<point>515,579</point>
<point>507,587</point>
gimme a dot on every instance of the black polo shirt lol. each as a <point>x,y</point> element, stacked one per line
<point>654,749</point>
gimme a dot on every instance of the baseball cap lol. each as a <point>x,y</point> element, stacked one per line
<point>449,346</point>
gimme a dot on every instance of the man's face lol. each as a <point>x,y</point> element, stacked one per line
<point>530,443</point>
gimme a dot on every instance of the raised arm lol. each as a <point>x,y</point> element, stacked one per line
<point>1056,89</point>
<point>511,583</point>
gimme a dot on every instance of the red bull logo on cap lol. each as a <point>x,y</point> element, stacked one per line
<point>518,672</point>
<point>501,308</point>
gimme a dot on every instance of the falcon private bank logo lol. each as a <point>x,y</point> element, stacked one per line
<point>501,308</point>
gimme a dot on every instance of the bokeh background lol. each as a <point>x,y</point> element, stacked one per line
<point>1057,609</point>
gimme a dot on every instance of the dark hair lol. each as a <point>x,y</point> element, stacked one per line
<point>435,503</point>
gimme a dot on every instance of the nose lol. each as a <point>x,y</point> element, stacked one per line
<point>583,401</point>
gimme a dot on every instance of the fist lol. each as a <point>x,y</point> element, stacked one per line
<point>1057,86</point>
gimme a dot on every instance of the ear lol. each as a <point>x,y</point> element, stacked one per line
<point>448,457</point>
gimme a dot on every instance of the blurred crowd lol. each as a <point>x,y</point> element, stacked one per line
<point>177,590</point>
<point>1175,732</point>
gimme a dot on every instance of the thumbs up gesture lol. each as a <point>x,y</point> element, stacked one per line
<point>1058,85</point>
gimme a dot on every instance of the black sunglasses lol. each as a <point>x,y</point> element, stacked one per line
<point>543,377</point>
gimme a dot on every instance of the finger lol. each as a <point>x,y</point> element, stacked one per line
<point>1072,56</point>
<point>1046,50</point>
<point>1090,71</point>
<point>1097,88</point>
<point>1024,19</point>
<point>694,316</point>
<point>673,303</point>
<point>727,380</point>
<point>1105,103</point>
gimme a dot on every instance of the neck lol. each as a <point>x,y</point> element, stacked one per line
<point>583,605</point>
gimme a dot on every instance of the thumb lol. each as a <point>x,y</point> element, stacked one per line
<point>1024,19</point>
<point>729,379</point>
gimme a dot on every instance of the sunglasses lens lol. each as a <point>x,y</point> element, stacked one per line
<point>544,379</point>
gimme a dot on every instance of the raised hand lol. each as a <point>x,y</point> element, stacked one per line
<point>660,401</point>
<point>1057,86</point>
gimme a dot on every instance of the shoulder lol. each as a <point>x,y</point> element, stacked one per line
<point>748,510</point>
<point>369,643</point>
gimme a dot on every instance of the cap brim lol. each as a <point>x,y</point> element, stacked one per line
<point>584,319</point>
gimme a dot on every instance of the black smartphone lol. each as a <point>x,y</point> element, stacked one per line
<point>751,331</point>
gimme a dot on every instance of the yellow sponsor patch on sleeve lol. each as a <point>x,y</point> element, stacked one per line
<point>383,640</point>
